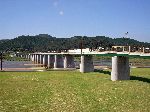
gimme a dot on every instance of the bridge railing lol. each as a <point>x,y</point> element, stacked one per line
<point>125,49</point>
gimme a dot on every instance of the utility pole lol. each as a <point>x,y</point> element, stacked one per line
<point>1,58</point>
<point>81,44</point>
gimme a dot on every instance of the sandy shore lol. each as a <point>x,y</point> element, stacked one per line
<point>24,69</point>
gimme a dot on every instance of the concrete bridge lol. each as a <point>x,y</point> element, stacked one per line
<point>120,61</point>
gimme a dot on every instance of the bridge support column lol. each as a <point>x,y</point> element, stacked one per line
<point>31,57</point>
<point>123,49</point>
<point>26,56</point>
<point>50,61</point>
<point>86,64</point>
<point>38,61</point>
<point>34,58</point>
<point>69,61</point>
<point>120,68</point>
<point>143,50</point>
<point>129,49</point>
<point>45,60</point>
<point>41,59</point>
<point>58,61</point>
<point>37,57</point>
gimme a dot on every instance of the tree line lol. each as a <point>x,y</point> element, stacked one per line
<point>44,43</point>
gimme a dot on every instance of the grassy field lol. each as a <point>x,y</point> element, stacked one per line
<point>69,91</point>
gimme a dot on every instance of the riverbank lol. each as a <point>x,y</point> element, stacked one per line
<point>24,69</point>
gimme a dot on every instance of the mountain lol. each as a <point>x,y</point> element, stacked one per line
<point>45,42</point>
<point>3,40</point>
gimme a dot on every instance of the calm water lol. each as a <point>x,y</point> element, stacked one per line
<point>17,64</point>
<point>98,63</point>
<point>103,63</point>
<point>29,64</point>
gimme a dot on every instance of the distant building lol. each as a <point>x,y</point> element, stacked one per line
<point>120,48</point>
<point>79,50</point>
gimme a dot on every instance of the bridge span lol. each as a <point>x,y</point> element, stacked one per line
<point>120,61</point>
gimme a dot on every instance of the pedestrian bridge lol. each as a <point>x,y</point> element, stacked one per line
<point>120,61</point>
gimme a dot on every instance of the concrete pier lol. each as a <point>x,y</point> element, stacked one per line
<point>129,49</point>
<point>34,58</point>
<point>41,59</point>
<point>44,61</point>
<point>69,61</point>
<point>37,58</point>
<point>120,68</point>
<point>59,62</point>
<point>143,50</point>
<point>50,61</point>
<point>38,61</point>
<point>86,64</point>
<point>28,56</point>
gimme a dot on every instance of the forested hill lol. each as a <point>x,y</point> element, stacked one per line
<point>45,43</point>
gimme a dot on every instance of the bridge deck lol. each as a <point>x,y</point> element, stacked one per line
<point>105,53</point>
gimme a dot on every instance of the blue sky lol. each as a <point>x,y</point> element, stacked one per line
<point>67,18</point>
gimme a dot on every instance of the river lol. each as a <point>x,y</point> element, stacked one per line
<point>29,64</point>
<point>17,64</point>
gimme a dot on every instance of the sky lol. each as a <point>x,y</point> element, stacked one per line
<point>68,18</point>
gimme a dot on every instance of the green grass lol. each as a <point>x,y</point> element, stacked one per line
<point>139,61</point>
<point>70,91</point>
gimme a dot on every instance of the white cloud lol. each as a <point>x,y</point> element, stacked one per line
<point>61,13</point>
<point>55,3</point>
